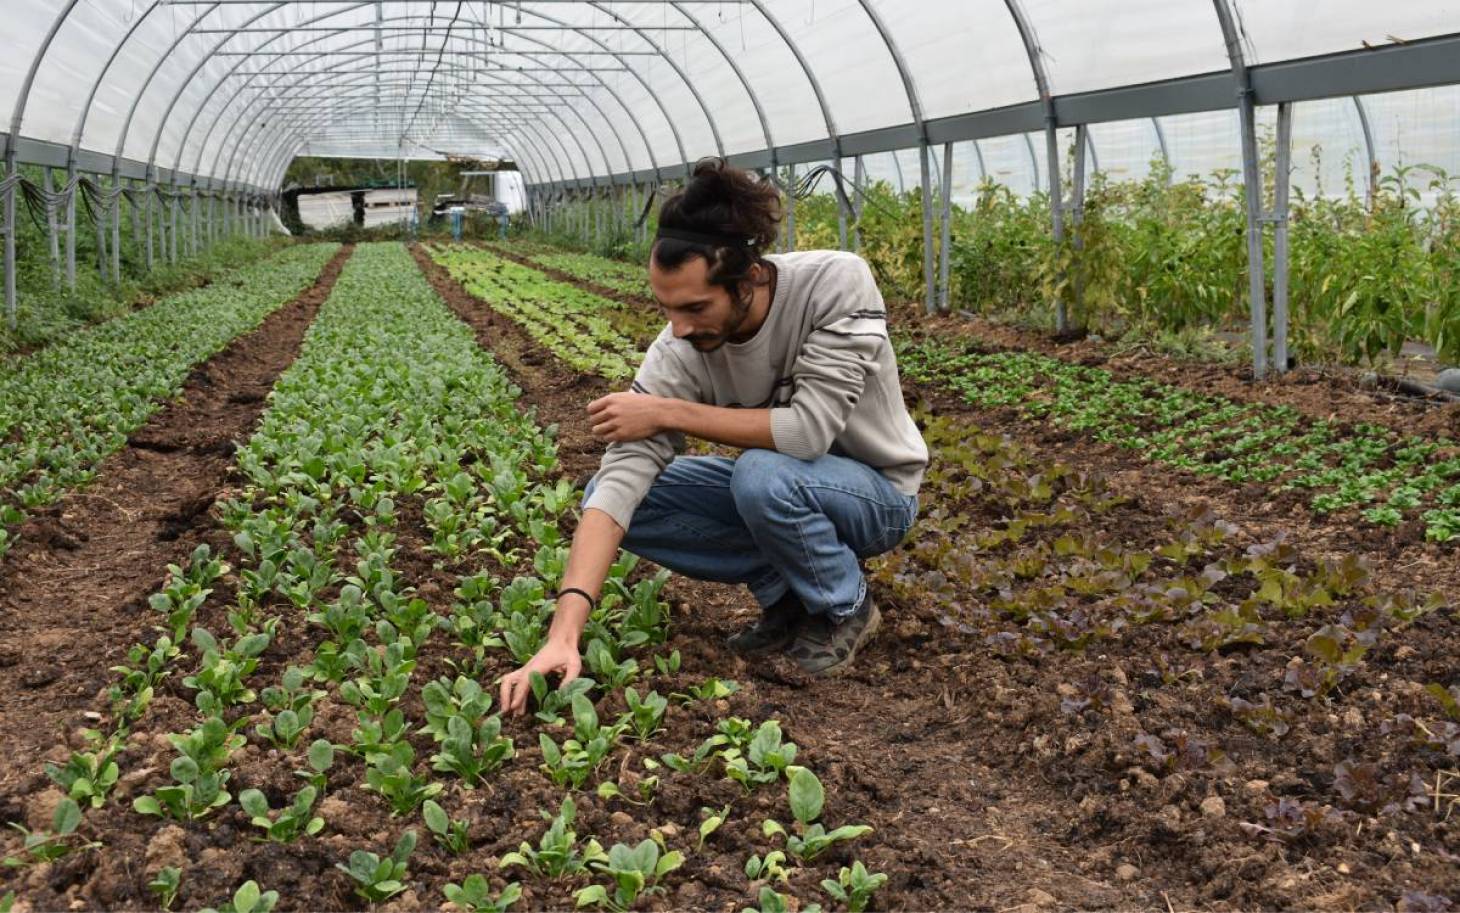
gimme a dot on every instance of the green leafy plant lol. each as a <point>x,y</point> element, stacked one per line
<point>578,757</point>
<point>391,774</point>
<point>291,822</point>
<point>472,750</point>
<point>164,886</point>
<point>248,899</point>
<point>854,886</point>
<point>449,833</point>
<point>376,879</point>
<point>645,714</point>
<point>765,868</point>
<point>635,871</point>
<point>557,853</point>
<point>474,895</point>
<point>45,846</point>
<point>89,775</point>
<point>810,837</point>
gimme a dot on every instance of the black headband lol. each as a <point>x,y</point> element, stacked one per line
<point>696,237</point>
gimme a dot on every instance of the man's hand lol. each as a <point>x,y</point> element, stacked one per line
<point>555,656</point>
<point>621,417</point>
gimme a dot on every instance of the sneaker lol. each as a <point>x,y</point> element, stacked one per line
<point>824,647</point>
<point>774,630</point>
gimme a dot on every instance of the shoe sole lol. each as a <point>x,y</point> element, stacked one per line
<point>843,665</point>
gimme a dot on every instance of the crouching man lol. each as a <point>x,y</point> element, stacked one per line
<point>786,357</point>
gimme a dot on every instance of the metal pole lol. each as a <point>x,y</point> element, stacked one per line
<point>791,207</point>
<point>945,248</point>
<point>147,217</point>
<point>10,296</point>
<point>858,178</point>
<point>1077,214</point>
<point>116,213</point>
<point>930,302</point>
<point>173,201</point>
<point>52,241</point>
<point>100,223</point>
<point>1282,182</point>
<point>71,225</point>
<point>1057,215</point>
<point>1373,160</point>
<point>841,209</point>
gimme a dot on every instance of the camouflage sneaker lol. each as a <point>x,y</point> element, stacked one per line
<point>823,647</point>
<point>775,628</point>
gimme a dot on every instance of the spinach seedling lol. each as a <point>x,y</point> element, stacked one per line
<point>772,865</point>
<point>449,833</point>
<point>472,750</point>
<point>248,899</point>
<point>551,702</point>
<point>854,886</point>
<point>646,714</point>
<point>391,775</point>
<point>811,837</point>
<point>45,846</point>
<point>164,886</point>
<point>89,775</point>
<point>474,895</point>
<point>378,879</point>
<point>289,823</point>
<point>635,871</point>
<point>556,853</point>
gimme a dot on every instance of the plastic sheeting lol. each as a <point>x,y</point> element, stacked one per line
<point>578,91</point>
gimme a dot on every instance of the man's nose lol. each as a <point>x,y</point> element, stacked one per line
<point>681,328</point>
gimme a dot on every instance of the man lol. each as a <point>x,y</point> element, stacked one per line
<point>787,358</point>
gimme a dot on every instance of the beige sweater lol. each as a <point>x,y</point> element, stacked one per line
<point>821,362</point>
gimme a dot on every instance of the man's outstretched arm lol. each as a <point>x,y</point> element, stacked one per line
<point>624,417</point>
<point>595,546</point>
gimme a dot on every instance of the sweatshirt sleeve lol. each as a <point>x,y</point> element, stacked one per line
<point>629,469</point>
<point>833,365</point>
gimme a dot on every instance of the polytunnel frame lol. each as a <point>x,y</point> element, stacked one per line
<point>1411,65</point>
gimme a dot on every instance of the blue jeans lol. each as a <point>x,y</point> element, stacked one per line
<point>774,523</point>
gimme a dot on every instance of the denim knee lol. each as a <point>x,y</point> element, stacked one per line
<point>761,479</point>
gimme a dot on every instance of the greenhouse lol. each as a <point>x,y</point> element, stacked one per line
<point>395,396</point>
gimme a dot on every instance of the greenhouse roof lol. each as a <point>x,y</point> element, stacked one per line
<point>591,92</point>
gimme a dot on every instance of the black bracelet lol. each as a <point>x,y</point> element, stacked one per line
<point>592,603</point>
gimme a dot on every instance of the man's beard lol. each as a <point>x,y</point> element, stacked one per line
<point>709,342</point>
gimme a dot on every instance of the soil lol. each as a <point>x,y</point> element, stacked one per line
<point>75,589</point>
<point>983,792</point>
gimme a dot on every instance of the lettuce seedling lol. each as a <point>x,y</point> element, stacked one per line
<point>474,895</point>
<point>449,833</point>
<point>557,853</point>
<point>347,617</point>
<point>711,689</point>
<point>377,879</point>
<point>292,692</point>
<point>635,871</point>
<point>667,665</point>
<point>248,899</point>
<point>290,823</point>
<point>854,886</point>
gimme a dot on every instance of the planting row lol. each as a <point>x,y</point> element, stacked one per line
<point>1384,476</point>
<point>66,408</point>
<point>394,467</point>
<point>573,324</point>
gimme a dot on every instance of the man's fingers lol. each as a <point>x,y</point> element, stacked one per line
<point>571,670</point>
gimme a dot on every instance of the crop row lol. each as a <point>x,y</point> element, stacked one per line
<point>1387,476</point>
<point>570,322</point>
<point>64,409</point>
<point>614,275</point>
<point>393,457</point>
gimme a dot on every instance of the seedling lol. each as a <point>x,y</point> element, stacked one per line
<point>635,871</point>
<point>580,756</point>
<point>710,821</point>
<point>557,854</point>
<point>551,702</point>
<point>854,886</point>
<point>289,823</point>
<point>376,879</point>
<point>145,668</point>
<point>646,787</point>
<point>164,886</point>
<point>449,833</point>
<point>646,714</point>
<point>474,895</point>
<point>771,866</point>
<point>771,902</point>
<point>222,671</point>
<point>390,774</point>
<point>248,899</point>
<point>811,838</point>
<point>667,665</point>
<point>472,750</point>
<point>90,775</point>
<point>45,846</point>
<point>446,699</point>
<point>711,689</point>
<point>378,736</point>
<point>765,759</point>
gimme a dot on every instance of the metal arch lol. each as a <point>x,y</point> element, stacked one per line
<point>816,90</point>
<point>85,113</point>
<point>1090,147</point>
<point>322,119</point>
<point>597,43</point>
<point>17,116</point>
<point>285,133</point>
<point>591,100</point>
<point>765,127</point>
<point>1252,180</point>
<point>916,106</point>
<point>586,158</point>
<point>1373,179</point>
<point>217,119</point>
<point>1033,160</point>
<point>319,121</point>
<point>264,109</point>
<point>983,171</point>
<point>228,170</point>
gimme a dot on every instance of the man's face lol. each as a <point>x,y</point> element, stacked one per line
<point>705,315</point>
